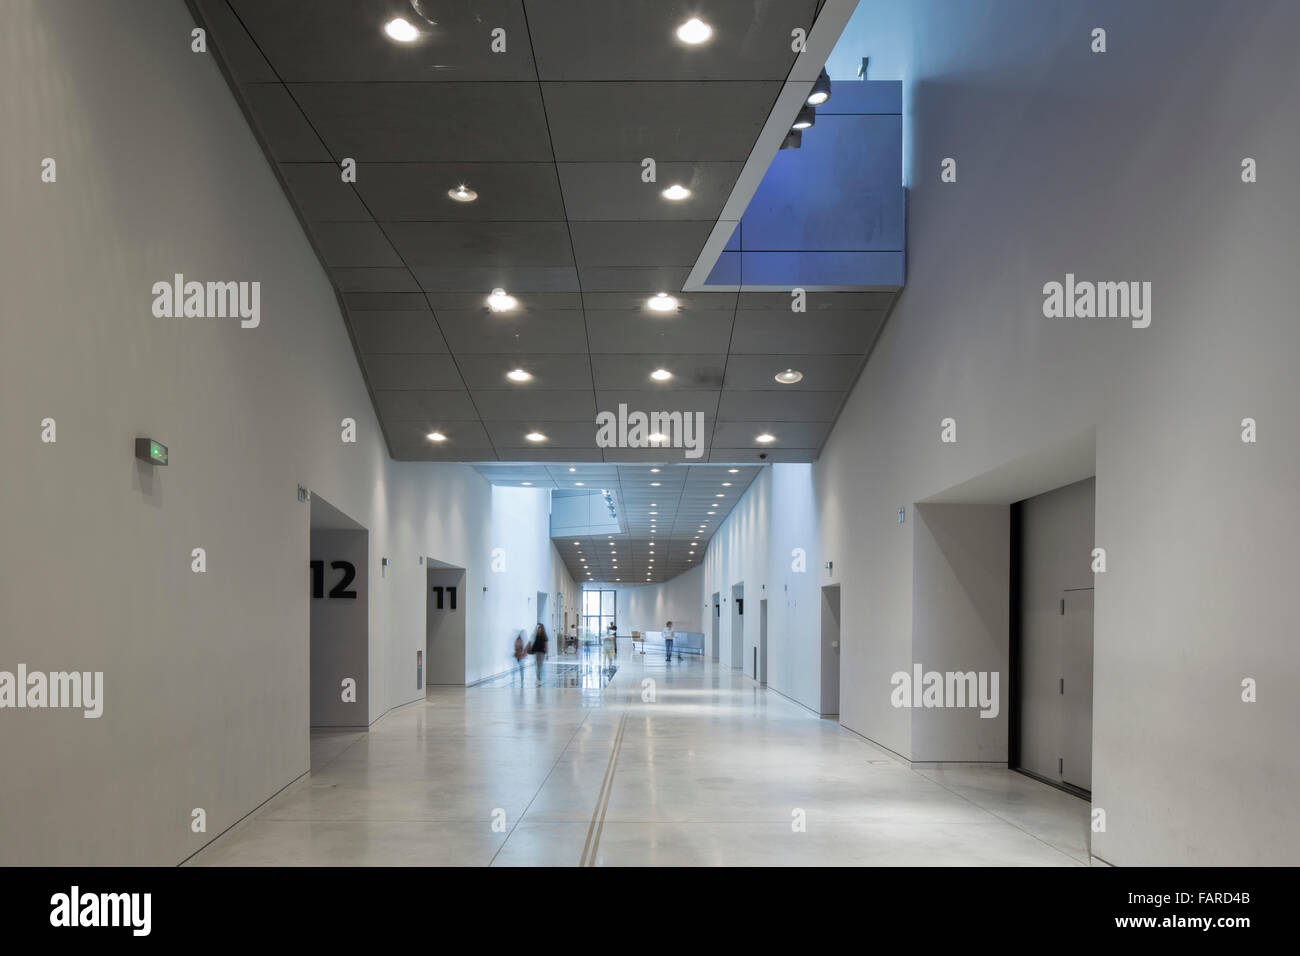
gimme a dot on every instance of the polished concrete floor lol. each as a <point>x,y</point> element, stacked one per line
<point>714,771</point>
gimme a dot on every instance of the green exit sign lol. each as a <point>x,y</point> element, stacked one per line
<point>154,452</point>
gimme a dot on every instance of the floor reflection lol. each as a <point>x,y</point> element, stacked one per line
<point>589,669</point>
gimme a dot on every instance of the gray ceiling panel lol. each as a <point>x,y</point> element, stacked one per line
<point>636,40</point>
<point>615,191</point>
<point>476,301</point>
<point>789,406</point>
<point>321,194</point>
<point>690,371</point>
<point>430,372</point>
<point>355,244</point>
<point>708,332</point>
<point>548,371</point>
<point>811,333</point>
<point>427,122</point>
<point>670,122</point>
<point>350,279</point>
<point>818,301</point>
<point>238,50</point>
<point>597,244</point>
<point>385,301</point>
<point>287,134</point>
<point>613,278</point>
<point>482,280</point>
<point>443,405</point>
<point>821,373</point>
<point>521,332</point>
<point>645,400</point>
<point>452,244</point>
<point>792,434</point>
<point>418,191</point>
<point>551,135</point>
<point>537,404</point>
<point>396,332</point>
<point>343,40</point>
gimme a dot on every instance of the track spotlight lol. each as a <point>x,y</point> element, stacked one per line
<point>793,139</point>
<point>821,91</point>
<point>807,117</point>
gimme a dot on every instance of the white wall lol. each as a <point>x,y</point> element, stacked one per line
<point>647,607</point>
<point>206,675</point>
<point>1115,166</point>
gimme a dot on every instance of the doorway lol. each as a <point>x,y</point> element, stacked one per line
<point>444,636</point>
<point>738,626</point>
<point>830,651</point>
<point>339,646</point>
<point>542,601</point>
<point>1052,636</point>
<point>760,668</point>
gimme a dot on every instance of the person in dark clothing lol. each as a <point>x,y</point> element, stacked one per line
<point>539,649</point>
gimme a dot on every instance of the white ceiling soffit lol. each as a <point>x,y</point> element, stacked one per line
<point>831,21</point>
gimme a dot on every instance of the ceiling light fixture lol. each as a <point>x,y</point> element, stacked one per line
<point>579,483</point>
<point>527,483</point>
<point>661,302</point>
<point>793,140</point>
<point>821,91</point>
<point>765,438</point>
<point>789,376</point>
<point>402,31</point>
<point>806,118</point>
<point>436,436</point>
<point>661,375</point>
<point>462,193</point>
<point>535,436</point>
<point>654,471</point>
<point>733,471</point>
<point>519,375</point>
<point>499,301</point>
<point>676,192</point>
<point>694,31</point>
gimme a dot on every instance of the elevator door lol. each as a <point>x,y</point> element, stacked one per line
<point>1076,689</point>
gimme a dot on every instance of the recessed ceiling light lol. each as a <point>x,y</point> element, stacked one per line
<point>676,192</point>
<point>519,375</point>
<point>662,302</point>
<point>661,375</point>
<point>436,436</point>
<point>527,482</point>
<point>733,471</point>
<point>657,436</point>
<point>654,512</point>
<point>401,31</point>
<point>499,301</point>
<point>462,193</point>
<point>655,484</point>
<point>654,471</point>
<point>694,31</point>
<point>726,484</point>
<point>577,542</point>
<point>579,483</point>
<point>573,469</point>
<point>535,436</point>
<point>789,376</point>
<point>719,496</point>
<point>765,438</point>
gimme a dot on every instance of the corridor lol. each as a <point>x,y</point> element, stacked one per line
<point>714,771</point>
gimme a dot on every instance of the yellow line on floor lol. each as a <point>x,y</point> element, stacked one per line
<point>602,799</point>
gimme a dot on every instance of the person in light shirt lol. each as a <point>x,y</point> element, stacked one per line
<point>668,640</point>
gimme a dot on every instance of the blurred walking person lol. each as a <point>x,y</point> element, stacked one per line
<point>539,650</point>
